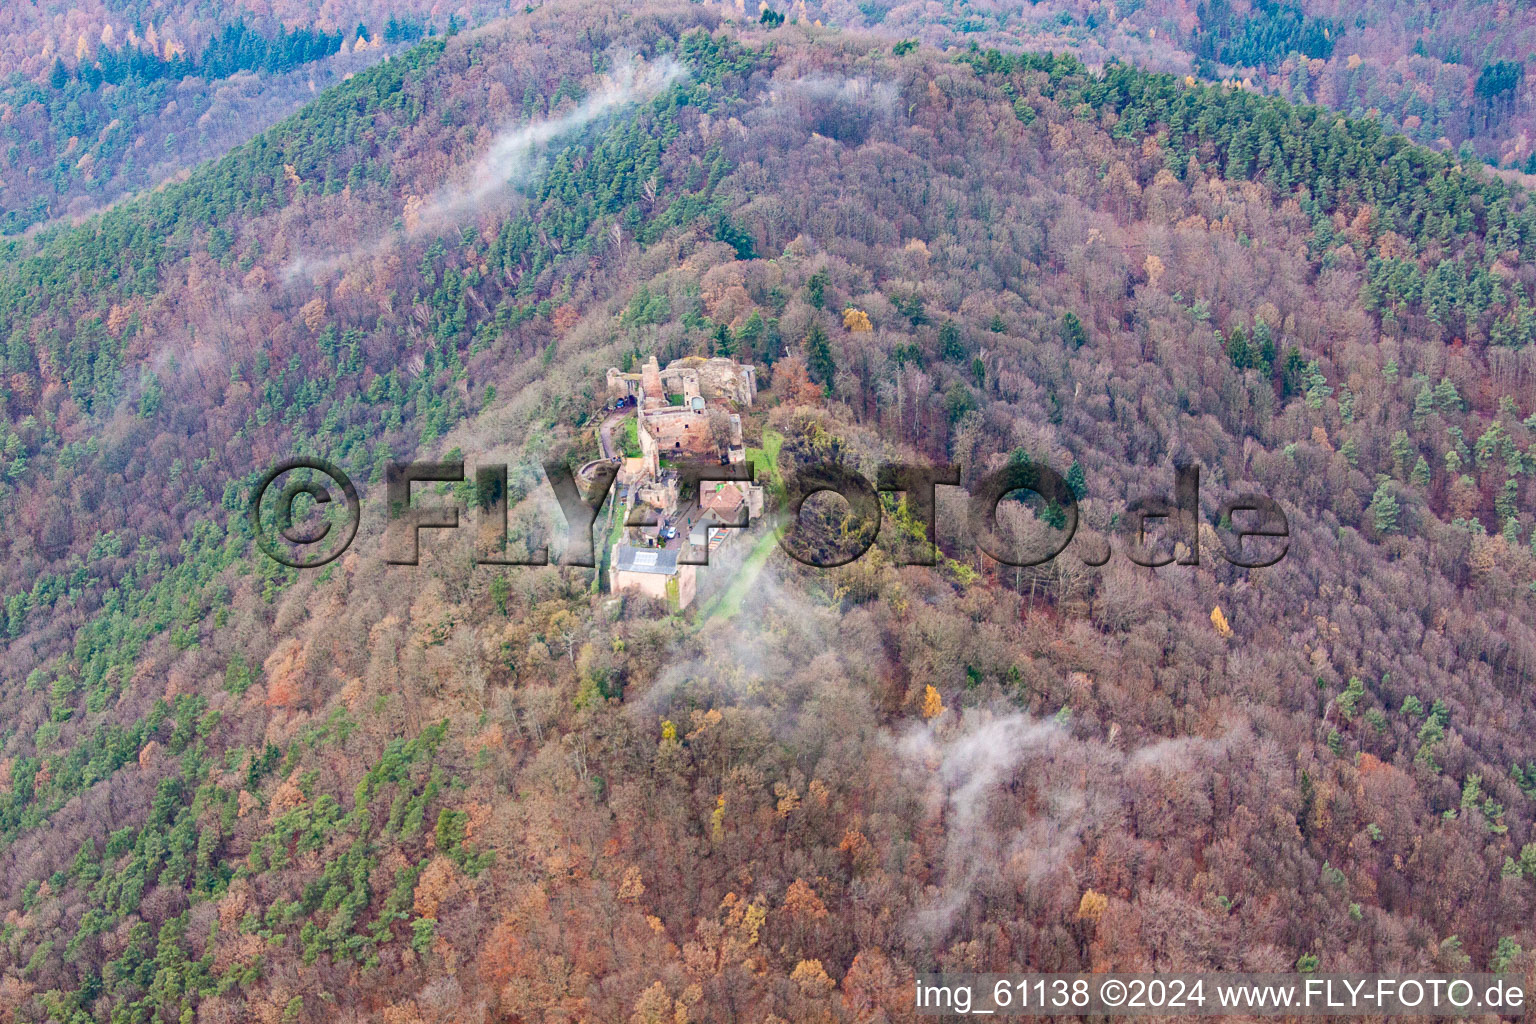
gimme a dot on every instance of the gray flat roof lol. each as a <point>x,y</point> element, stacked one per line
<point>661,561</point>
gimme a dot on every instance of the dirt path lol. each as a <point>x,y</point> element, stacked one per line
<point>605,431</point>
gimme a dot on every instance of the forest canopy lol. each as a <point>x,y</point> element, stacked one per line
<point>230,790</point>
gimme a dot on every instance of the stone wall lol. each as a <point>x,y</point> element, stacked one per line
<point>718,379</point>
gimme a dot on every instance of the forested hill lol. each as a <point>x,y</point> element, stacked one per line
<point>231,791</point>
<point>1452,75</point>
<point>98,101</point>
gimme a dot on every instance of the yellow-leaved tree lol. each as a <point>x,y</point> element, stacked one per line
<point>933,703</point>
<point>1091,907</point>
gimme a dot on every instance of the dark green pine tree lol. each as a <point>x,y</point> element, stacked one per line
<point>951,346</point>
<point>1383,509</point>
<point>816,289</point>
<point>724,343</point>
<point>1072,332</point>
<point>1238,350</point>
<point>750,337</point>
<point>1078,481</point>
<point>818,356</point>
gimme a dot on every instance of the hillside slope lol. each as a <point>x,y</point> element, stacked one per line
<point>1450,75</point>
<point>231,791</point>
<point>101,102</point>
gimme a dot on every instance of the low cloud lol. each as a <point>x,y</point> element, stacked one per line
<point>512,157</point>
<point>514,152</point>
<point>1017,798</point>
<point>959,778</point>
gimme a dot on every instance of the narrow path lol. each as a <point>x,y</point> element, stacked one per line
<point>605,433</point>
